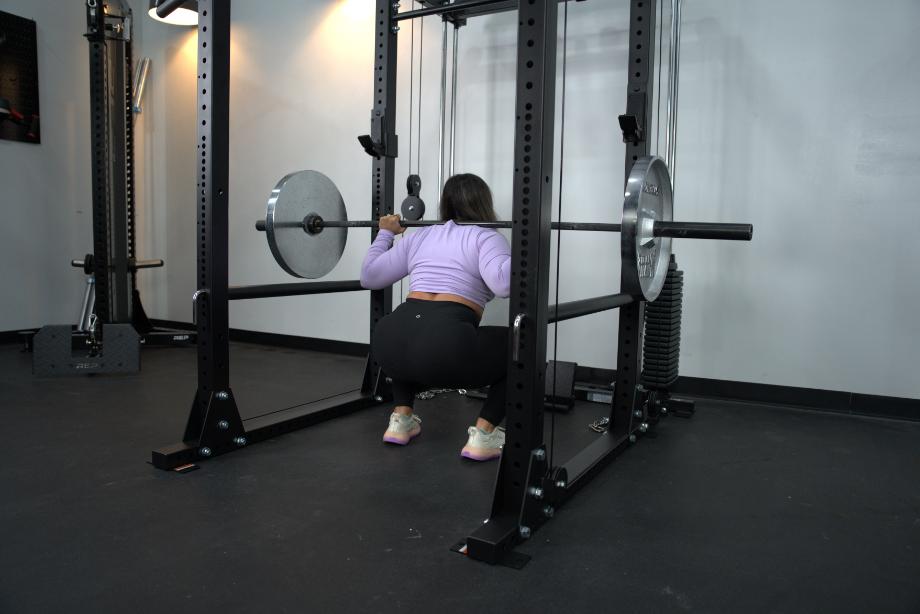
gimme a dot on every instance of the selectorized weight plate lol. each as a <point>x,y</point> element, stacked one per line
<point>645,257</point>
<point>298,252</point>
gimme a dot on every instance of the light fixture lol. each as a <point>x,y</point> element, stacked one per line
<point>187,15</point>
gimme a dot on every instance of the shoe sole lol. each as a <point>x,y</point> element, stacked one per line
<point>401,442</point>
<point>470,454</point>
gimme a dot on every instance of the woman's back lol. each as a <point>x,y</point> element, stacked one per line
<point>468,261</point>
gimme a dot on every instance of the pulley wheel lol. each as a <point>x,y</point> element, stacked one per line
<point>648,199</point>
<point>413,208</point>
<point>297,251</point>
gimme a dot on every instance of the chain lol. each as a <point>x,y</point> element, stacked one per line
<point>430,394</point>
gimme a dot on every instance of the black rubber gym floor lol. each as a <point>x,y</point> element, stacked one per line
<point>744,508</point>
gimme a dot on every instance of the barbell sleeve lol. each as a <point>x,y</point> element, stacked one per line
<point>146,264</point>
<point>704,230</point>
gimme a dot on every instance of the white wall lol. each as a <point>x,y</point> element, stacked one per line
<point>798,117</point>
<point>45,188</point>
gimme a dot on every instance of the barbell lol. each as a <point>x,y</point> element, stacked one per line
<point>306,226</point>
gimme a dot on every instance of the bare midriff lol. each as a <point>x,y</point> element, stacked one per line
<point>452,298</point>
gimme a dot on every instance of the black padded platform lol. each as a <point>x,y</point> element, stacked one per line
<point>744,508</point>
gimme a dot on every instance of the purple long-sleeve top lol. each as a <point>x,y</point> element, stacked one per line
<point>469,261</point>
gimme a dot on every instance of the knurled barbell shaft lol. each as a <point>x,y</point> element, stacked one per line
<point>677,230</point>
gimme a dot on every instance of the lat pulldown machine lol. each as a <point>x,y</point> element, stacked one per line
<point>306,225</point>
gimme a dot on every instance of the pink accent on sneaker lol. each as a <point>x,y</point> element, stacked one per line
<point>480,454</point>
<point>400,439</point>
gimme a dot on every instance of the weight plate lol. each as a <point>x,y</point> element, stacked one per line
<point>667,346</point>
<point>657,332</point>
<point>663,314</point>
<point>659,373</point>
<point>654,382</point>
<point>662,355</point>
<point>298,252</point>
<point>663,344</point>
<point>660,377</point>
<point>664,299</point>
<point>659,335</point>
<point>647,200</point>
<point>661,365</point>
<point>663,320</point>
<point>666,304</point>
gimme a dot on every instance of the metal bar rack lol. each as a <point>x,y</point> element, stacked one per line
<point>527,488</point>
<point>214,424</point>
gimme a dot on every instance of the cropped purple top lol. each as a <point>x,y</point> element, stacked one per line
<point>469,261</point>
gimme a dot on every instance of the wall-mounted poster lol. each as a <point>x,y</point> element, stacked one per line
<point>18,80</point>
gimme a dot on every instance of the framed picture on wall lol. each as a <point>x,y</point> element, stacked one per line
<point>19,115</point>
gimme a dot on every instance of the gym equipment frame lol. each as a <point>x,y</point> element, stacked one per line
<point>112,324</point>
<point>528,488</point>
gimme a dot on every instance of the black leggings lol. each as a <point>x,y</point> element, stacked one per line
<point>439,344</point>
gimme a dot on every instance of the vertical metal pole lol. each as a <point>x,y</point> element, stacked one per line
<point>453,101</point>
<point>639,102</point>
<point>442,115</point>
<point>118,274</point>
<point>87,309</point>
<point>109,30</point>
<point>383,168</point>
<point>530,266</point>
<point>140,83</point>
<point>673,89</point>
<point>673,83</point>
<point>212,169</point>
<point>99,121</point>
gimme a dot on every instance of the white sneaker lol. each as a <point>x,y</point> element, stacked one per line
<point>402,429</point>
<point>483,446</point>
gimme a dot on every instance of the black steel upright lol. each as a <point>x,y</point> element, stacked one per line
<point>383,123</point>
<point>642,19</point>
<point>214,424</point>
<point>528,488</point>
<point>214,404</point>
<point>109,31</point>
<point>523,459</point>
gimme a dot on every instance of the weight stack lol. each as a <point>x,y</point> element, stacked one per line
<point>661,348</point>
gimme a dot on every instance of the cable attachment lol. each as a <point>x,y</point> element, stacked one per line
<point>413,207</point>
<point>381,142</point>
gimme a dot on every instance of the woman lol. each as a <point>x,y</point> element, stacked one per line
<point>434,338</point>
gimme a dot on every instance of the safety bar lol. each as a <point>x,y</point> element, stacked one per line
<point>575,309</point>
<point>236,293</point>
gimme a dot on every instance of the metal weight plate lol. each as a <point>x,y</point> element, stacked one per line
<point>648,199</point>
<point>298,252</point>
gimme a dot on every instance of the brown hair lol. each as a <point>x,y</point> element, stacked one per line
<point>467,198</point>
